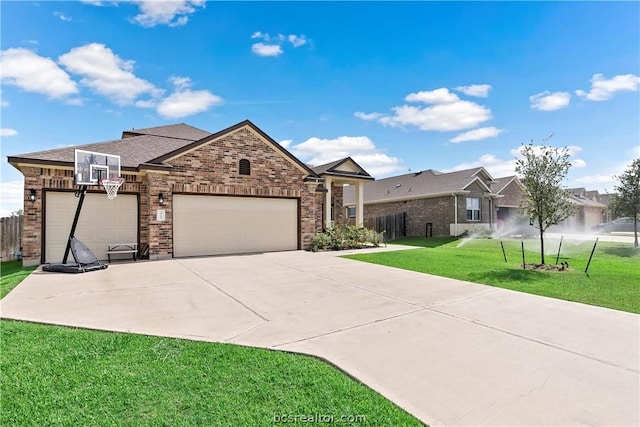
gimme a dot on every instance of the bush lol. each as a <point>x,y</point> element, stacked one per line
<point>346,237</point>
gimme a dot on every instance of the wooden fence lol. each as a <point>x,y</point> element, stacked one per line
<point>393,225</point>
<point>11,237</point>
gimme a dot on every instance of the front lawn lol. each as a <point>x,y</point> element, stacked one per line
<point>613,279</point>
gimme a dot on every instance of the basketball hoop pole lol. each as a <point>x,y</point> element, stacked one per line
<point>83,192</point>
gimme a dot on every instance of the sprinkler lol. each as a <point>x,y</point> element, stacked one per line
<point>559,247</point>
<point>503,252</point>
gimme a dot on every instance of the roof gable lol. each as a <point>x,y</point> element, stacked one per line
<point>247,125</point>
<point>346,167</point>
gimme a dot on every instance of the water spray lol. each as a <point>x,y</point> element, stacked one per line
<point>559,247</point>
<point>591,256</point>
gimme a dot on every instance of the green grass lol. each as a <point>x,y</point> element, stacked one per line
<point>613,279</point>
<point>54,375</point>
<point>12,273</point>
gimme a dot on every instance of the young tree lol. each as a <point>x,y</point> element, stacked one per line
<point>542,170</point>
<point>628,200</point>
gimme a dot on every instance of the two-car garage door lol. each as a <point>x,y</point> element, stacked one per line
<point>213,225</point>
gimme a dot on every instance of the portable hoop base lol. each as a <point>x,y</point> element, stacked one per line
<point>111,186</point>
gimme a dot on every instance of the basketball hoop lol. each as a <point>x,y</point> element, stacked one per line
<point>111,186</point>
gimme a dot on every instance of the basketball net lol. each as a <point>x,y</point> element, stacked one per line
<point>111,186</point>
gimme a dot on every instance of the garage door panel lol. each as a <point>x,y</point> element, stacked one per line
<point>213,225</point>
<point>102,221</point>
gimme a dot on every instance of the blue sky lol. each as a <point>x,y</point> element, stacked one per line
<point>398,86</point>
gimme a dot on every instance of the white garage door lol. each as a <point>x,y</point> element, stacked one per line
<point>102,221</point>
<point>213,225</point>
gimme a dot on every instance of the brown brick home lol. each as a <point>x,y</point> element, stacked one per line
<point>432,202</point>
<point>187,192</point>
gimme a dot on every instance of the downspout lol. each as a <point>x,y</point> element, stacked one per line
<point>455,213</point>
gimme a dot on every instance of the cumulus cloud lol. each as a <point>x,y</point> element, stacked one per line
<point>273,46</point>
<point>445,112</point>
<point>33,73</point>
<point>477,134</point>
<point>263,49</point>
<point>367,116</point>
<point>603,89</point>
<point>174,13</point>
<point>317,151</point>
<point>547,101</point>
<point>437,96</point>
<point>186,102</point>
<point>4,132</point>
<point>480,91</point>
<point>107,74</point>
<point>499,167</point>
<point>11,197</point>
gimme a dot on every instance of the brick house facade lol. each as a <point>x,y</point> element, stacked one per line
<point>433,202</point>
<point>178,161</point>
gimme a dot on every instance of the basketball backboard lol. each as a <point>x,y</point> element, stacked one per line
<point>91,167</point>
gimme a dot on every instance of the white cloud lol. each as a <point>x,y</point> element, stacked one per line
<point>547,101</point>
<point>264,49</point>
<point>285,143</point>
<point>297,41</point>
<point>317,151</point>
<point>596,180</point>
<point>4,132</point>
<point>4,103</point>
<point>445,112</point>
<point>442,117</point>
<point>477,134</point>
<point>62,16</point>
<point>603,89</point>
<point>11,197</point>
<point>173,13</point>
<point>481,91</point>
<point>107,74</point>
<point>496,166</point>
<point>437,96</point>
<point>272,46</point>
<point>368,116</point>
<point>33,73</point>
<point>185,102</point>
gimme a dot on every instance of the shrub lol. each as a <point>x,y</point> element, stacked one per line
<point>346,237</point>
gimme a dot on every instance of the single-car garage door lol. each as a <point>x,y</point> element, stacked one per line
<point>213,225</point>
<point>102,221</point>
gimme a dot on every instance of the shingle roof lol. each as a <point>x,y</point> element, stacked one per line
<point>499,184</point>
<point>427,183</point>
<point>332,168</point>
<point>324,168</point>
<point>134,149</point>
<point>178,131</point>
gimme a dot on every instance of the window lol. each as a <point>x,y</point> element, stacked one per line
<point>473,209</point>
<point>244,167</point>
<point>351,212</point>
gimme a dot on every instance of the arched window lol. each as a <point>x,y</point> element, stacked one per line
<point>244,167</point>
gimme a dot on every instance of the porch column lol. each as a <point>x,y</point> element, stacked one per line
<point>327,202</point>
<point>359,203</point>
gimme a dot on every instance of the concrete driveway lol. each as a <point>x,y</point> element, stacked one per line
<point>450,352</point>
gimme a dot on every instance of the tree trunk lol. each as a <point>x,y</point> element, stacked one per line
<point>635,231</point>
<point>541,247</point>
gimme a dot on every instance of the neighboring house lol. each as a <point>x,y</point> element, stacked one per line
<point>187,192</point>
<point>432,203</point>
<point>509,205</point>
<point>589,211</point>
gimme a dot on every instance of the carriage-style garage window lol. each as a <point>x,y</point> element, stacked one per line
<point>244,167</point>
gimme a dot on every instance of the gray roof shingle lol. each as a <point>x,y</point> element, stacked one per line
<point>427,183</point>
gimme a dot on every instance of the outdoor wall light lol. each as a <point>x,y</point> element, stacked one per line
<point>32,195</point>
<point>160,199</point>
<point>321,189</point>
